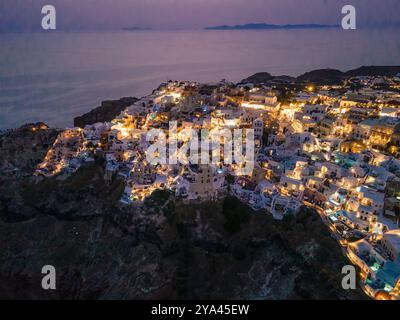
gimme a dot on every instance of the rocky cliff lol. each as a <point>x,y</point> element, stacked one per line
<point>106,112</point>
<point>22,149</point>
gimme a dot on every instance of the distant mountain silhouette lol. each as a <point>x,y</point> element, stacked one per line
<point>326,76</point>
<point>266,26</point>
<point>136,29</point>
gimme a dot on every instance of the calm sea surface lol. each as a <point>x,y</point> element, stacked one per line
<point>53,77</point>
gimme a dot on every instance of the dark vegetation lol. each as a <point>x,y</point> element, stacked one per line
<point>236,214</point>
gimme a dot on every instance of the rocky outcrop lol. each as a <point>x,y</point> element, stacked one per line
<point>106,112</point>
<point>323,76</point>
<point>259,77</point>
<point>23,148</point>
<point>327,76</point>
<point>374,71</point>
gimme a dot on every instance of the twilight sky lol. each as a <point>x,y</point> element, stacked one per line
<point>24,15</point>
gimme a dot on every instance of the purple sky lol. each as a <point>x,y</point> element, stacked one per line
<point>191,14</point>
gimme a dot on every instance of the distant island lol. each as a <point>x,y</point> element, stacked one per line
<point>266,26</point>
<point>136,29</point>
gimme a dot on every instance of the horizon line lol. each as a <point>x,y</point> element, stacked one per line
<point>230,27</point>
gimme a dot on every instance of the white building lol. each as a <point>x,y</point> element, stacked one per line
<point>391,244</point>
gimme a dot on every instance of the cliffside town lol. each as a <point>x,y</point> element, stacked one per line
<point>325,183</point>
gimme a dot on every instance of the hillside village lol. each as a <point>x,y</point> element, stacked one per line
<point>331,147</point>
